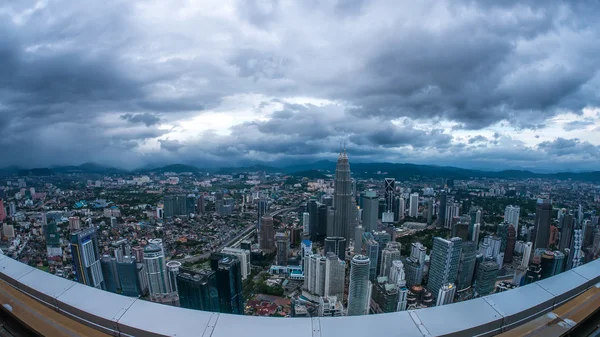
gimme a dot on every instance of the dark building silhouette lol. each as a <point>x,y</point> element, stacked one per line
<point>313,209</point>
<point>198,290</point>
<point>229,285</point>
<point>566,232</point>
<point>267,235</point>
<point>543,216</point>
<point>442,210</point>
<point>510,244</point>
<point>129,280</point>
<point>336,245</point>
<point>321,222</point>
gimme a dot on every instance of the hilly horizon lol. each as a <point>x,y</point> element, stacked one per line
<point>366,170</point>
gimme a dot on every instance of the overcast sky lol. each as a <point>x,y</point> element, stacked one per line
<point>481,84</point>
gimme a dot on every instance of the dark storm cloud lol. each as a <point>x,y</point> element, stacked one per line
<point>396,76</point>
<point>145,118</point>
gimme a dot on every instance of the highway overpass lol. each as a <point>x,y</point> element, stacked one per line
<point>59,307</point>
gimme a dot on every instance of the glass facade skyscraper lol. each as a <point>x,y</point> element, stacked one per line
<point>444,262</point>
<point>198,290</point>
<point>86,258</point>
<point>359,291</point>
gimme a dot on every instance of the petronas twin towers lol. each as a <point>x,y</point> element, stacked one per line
<point>342,198</point>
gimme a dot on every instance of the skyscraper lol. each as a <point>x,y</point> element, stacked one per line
<point>322,222</point>
<point>53,248</point>
<point>129,280</point>
<point>487,272</point>
<point>370,205</point>
<point>263,207</point>
<point>389,254</point>
<point>342,198</point>
<point>372,252</point>
<point>229,284</point>
<point>313,209</point>
<point>413,209</point>
<point>175,205</point>
<point>511,216</point>
<point>335,273</point>
<point>359,291</point>
<point>358,235</point>
<point>476,230</point>
<point>2,211</point>
<point>526,254</point>
<point>267,234</point>
<point>390,190</point>
<point>282,242</point>
<point>305,224</point>
<point>336,245</point>
<point>154,263</point>
<point>198,290</point>
<point>541,229</point>
<point>110,274</point>
<point>466,268</point>
<point>415,264</point>
<point>446,294</point>
<point>200,205</point>
<point>510,244</point>
<point>86,258</point>
<point>445,258</point>
<point>566,231</point>
<point>442,212</point>
<point>243,255</point>
<point>574,258</point>
<point>172,271</point>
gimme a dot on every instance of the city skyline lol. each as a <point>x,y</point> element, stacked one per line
<point>272,82</point>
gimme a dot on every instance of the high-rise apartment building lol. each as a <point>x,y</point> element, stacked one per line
<point>335,273</point>
<point>176,205</point>
<point>390,253</point>
<point>444,262</point>
<point>359,291</point>
<point>342,198</point>
<point>86,258</point>
<point>53,248</point>
<point>511,216</point>
<point>370,206</point>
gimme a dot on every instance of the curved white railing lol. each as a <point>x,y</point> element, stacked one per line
<point>125,316</point>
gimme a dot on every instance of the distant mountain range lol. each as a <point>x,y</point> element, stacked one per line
<point>318,170</point>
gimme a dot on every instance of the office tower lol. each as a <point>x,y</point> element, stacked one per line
<point>580,214</point>
<point>358,235</point>
<point>330,219</point>
<point>466,268</point>
<point>372,252</point>
<point>198,290</point>
<point>335,272</point>
<point>53,248</point>
<point>321,223</point>
<point>547,263</point>
<point>342,198</point>
<point>526,254</point>
<point>154,263</point>
<point>86,258</point>
<point>263,207</point>
<point>359,291</point>
<point>172,271</point>
<point>229,285</point>
<point>74,223</point>
<point>566,231</point>
<point>330,306</point>
<point>477,217</point>
<point>559,262</point>
<point>490,246</point>
<point>575,252</point>
<point>461,230</point>
<point>390,253</point>
<point>109,273</point>
<point>446,294</point>
<point>502,233</point>
<point>510,244</point>
<point>370,208</point>
<point>389,188</point>
<point>511,216</point>
<point>380,208</point>
<point>243,255</point>
<point>397,275</point>
<point>267,235</point>
<point>327,200</point>
<point>413,210</point>
<point>396,208</point>
<point>444,261</point>
<point>282,242</point>
<point>2,211</point>
<point>487,272</point>
<point>402,207</point>
<point>337,245</point>
<point>476,230</point>
<point>541,228</point>
<point>127,271</point>
<point>313,208</point>
<point>385,295</point>
<point>305,224</point>
<point>175,205</point>
<point>442,212</point>
<point>200,205</point>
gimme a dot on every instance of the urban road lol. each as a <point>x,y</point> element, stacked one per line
<point>236,240</point>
